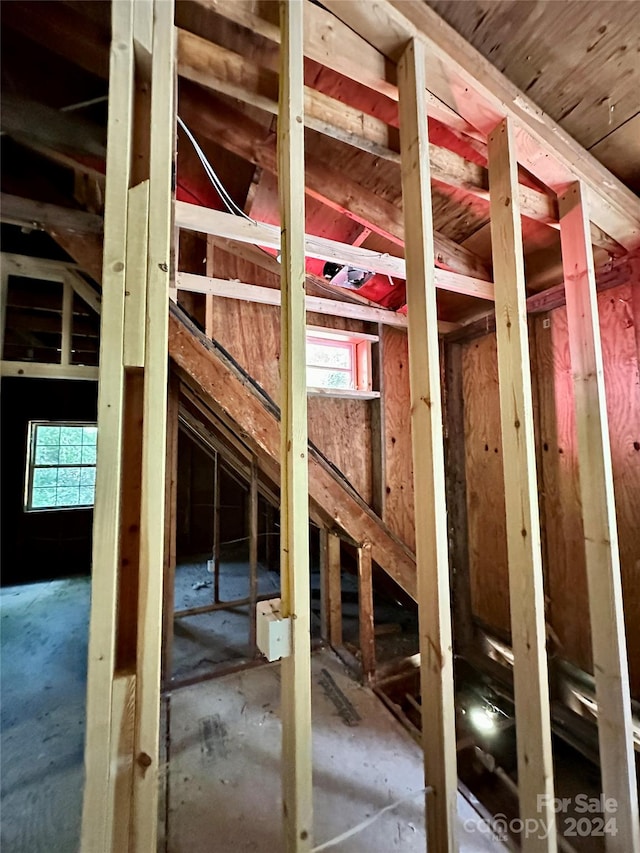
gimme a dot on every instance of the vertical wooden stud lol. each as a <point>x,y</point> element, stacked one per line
<point>136,285</point>
<point>67,323</point>
<point>294,554</point>
<point>99,791</point>
<point>432,560</point>
<point>600,529</point>
<point>378,443</point>
<point>216,528</point>
<point>170,528</point>
<point>253,553</point>
<point>365,612</point>
<point>531,682</point>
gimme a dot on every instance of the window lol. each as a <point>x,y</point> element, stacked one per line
<point>339,362</point>
<point>61,465</point>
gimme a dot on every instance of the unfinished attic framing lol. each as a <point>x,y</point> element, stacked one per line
<point>483,455</point>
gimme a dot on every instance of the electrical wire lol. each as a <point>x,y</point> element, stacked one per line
<point>219,187</point>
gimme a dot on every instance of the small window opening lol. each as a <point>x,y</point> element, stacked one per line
<point>61,465</point>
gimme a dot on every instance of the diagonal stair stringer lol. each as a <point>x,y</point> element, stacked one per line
<point>231,393</point>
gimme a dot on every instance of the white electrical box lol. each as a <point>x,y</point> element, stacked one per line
<point>273,632</point>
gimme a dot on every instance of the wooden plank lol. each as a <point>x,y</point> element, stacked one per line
<point>123,701</point>
<point>170,528</point>
<point>194,218</point>
<point>432,559</point>
<point>253,553</point>
<point>136,292</point>
<point>330,587</point>
<point>535,765</point>
<point>154,435</point>
<point>480,94</point>
<point>39,370</point>
<point>366,626</point>
<point>378,429</point>
<point>97,816</point>
<point>294,485</point>
<point>457,498</point>
<point>41,215</point>
<point>599,522</point>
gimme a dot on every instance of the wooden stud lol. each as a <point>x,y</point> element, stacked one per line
<point>330,588</point>
<point>600,529</point>
<point>294,486</point>
<point>209,308</point>
<point>39,370</point>
<point>216,528</point>
<point>365,613</point>
<point>136,286</point>
<point>253,553</point>
<point>432,559</point>
<point>154,435</point>
<point>378,435</point>
<point>535,765</point>
<point>170,528</point>
<point>67,323</point>
<point>99,793</point>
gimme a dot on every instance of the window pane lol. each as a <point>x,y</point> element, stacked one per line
<point>87,476</point>
<point>88,455</point>
<point>70,455</point>
<point>47,455</point>
<point>87,495</point>
<point>45,477</point>
<point>71,435</point>
<point>319,377</point>
<point>43,498</point>
<point>47,435</point>
<point>68,497</point>
<point>89,435</point>
<point>68,477</point>
<point>331,355</point>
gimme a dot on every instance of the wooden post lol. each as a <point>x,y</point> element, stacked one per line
<point>170,528</point>
<point>599,520</point>
<point>216,528</point>
<point>457,500</point>
<point>123,699</point>
<point>378,444</point>
<point>531,683</point>
<point>365,613</point>
<point>294,488</point>
<point>330,588</point>
<point>253,553</point>
<point>67,323</point>
<point>432,560</point>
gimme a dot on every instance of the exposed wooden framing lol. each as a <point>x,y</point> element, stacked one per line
<point>457,499</point>
<point>136,292</point>
<point>253,553</point>
<point>327,185</point>
<point>535,766</point>
<point>4,287</point>
<point>294,486</point>
<point>40,370</point>
<point>170,528</point>
<point>99,794</point>
<point>316,304</point>
<point>84,290</point>
<point>209,305</point>
<point>196,218</point>
<point>40,215</point>
<point>482,96</point>
<point>432,560</point>
<point>330,588</point>
<point>599,520</point>
<point>67,323</point>
<point>378,433</point>
<point>365,613</point>
<point>216,528</point>
<point>240,406</point>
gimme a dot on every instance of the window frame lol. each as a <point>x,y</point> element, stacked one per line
<point>31,465</point>
<point>359,344</point>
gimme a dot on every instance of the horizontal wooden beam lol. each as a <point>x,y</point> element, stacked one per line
<point>40,215</point>
<point>40,268</point>
<point>270,296</point>
<point>327,185</point>
<point>39,370</point>
<point>207,221</point>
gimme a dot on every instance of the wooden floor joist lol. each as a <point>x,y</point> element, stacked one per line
<point>432,560</point>
<point>297,797</point>
<point>599,521</point>
<point>530,675</point>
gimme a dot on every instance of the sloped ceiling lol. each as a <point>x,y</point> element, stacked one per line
<point>579,60</point>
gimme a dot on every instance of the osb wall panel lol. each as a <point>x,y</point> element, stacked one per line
<point>488,566</point>
<point>566,574</point>
<point>399,513</point>
<point>340,428</point>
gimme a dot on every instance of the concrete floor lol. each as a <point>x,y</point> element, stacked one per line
<point>223,776</point>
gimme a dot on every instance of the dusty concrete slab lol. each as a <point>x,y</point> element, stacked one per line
<point>224,768</point>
